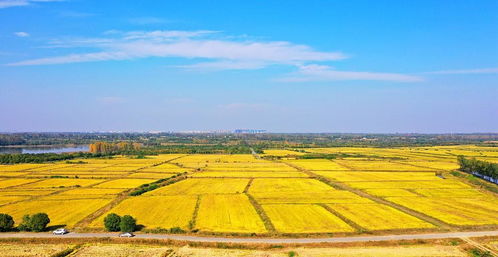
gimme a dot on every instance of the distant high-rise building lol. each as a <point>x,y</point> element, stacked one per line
<point>249,131</point>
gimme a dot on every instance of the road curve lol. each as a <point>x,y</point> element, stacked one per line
<point>261,240</point>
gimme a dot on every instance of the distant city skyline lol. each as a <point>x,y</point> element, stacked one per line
<point>293,66</point>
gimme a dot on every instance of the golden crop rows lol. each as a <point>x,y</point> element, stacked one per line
<point>228,213</point>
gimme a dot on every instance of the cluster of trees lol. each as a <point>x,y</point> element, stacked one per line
<point>111,147</point>
<point>488,170</point>
<point>44,157</point>
<point>37,222</point>
<point>114,223</point>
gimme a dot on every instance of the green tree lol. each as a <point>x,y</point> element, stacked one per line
<point>112,222</point>
<point>128,224</point>
<point>6,222</point>
<point>36,222</point>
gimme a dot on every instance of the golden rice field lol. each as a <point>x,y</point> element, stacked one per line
<point>228,213</point>
<point>156,211</point>
<point>304,218</point>
<point>379,190</point>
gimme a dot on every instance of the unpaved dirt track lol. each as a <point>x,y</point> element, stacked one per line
<point>262,240</point>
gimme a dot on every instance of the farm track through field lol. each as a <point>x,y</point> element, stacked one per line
<point>240,240</point>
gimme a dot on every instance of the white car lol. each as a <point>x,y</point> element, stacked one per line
<point>60,231</point>
<point>127,234</point>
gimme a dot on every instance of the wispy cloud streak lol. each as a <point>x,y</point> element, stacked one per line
<point>187,44</point>
<point>15,3</point>
<point>315,72</point>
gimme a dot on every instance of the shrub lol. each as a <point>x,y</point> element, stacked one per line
<point>176,230</point>
<point>128,224</point>
<point>112,222</point>
<point>36,223</point>
<point>6,222</point>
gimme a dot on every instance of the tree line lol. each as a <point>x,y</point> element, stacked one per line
<point>114,147</point>
<point>477,167</point>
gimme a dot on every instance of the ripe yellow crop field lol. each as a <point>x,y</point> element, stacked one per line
<point>155,211</point>
<point>295,190</point>
<point>374,216</point>
<point>124,183</point>
<point>163,167</point>
<point>292,197</point>
<point>67,212</point>
<point>317,164</point>
<point>277,167</point>
<point>14,173</point>
<point>10,199</point>
<point>117,168</point>
<point>455,211</point>
<point>20,167</point>
<point>25,192</point>
<point>304,218</point>
<point>228,213</point>
<point>61,182</point>
<point>379,176</point>
<point>15,182</point>
<point>267,185</point>
<point>379,165</point>
<point>249,174</point>
<point>435,164</point>
<point>93,191</point>
<point>382,192</point>
<point>450,192</point>
<point>198,186</point>
<point>333,196</point>
<point>202,160</point>
<point>148,175</point>
<point>410,184</point>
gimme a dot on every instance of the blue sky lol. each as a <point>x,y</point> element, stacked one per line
<point>283,66</point>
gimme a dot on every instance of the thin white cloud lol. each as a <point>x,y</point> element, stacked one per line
<point>14,3</point>
<point>315,72</point>
<point>224,65</point>
<point>21,34</point>
<point>187,44</point>
<point>468,71</point>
